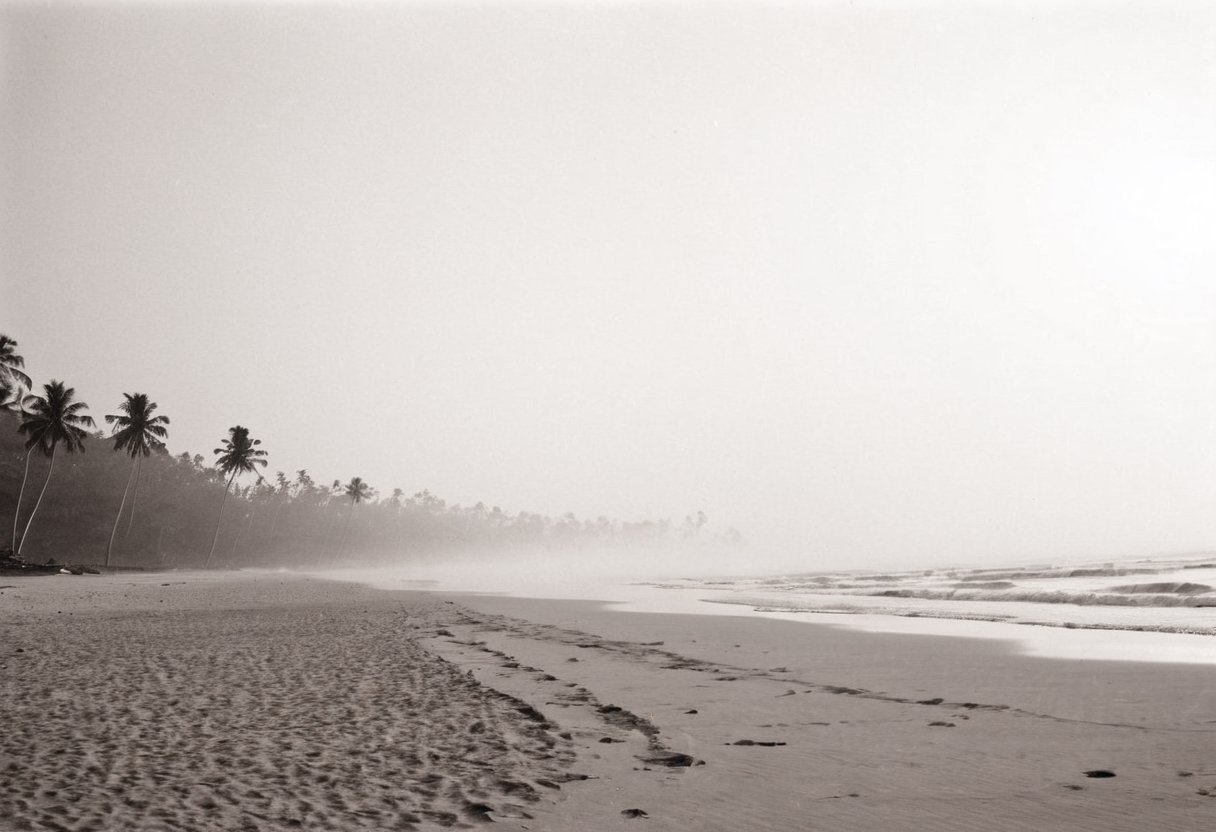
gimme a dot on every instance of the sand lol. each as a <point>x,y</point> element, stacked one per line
<point>232,702</point>
<point>250,704</point>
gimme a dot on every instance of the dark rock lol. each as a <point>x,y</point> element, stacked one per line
<point>634,813</point>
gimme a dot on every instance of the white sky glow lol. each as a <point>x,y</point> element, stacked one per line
<point>876,283</point>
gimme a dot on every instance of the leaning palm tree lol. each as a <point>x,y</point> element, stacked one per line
<point>358,491</point>
<point>13,399</point>
<point>139,433</point>
<point>53,419</point>
<point>252,493</point>
<point>239,455</point>
<point>11,364</point>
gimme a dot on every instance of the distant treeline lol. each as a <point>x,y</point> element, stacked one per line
<point>173,518</point>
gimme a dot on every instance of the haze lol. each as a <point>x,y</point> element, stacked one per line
<point>874,283</point>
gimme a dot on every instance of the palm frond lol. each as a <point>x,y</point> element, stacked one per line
<point>135,429</point>
<point>239,453</point>
<point>53,418</point>
<point>11,363</point>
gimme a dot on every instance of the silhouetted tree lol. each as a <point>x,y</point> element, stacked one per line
<point>239,455</point>
<point>139,433</point>
<point>358,491</point>
<point>14,400</point>
<point>53,419</point>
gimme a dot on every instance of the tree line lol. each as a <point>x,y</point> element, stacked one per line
<point>139,505</point>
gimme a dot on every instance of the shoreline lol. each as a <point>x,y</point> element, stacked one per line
<point>1033,637</point>
<point>200,696</point>
<point>879,731</point>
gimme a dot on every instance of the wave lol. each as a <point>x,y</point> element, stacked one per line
<point>1179,588</point>
<point>1088,572</point>
<point>958,615</point>
<point>1103,599</point>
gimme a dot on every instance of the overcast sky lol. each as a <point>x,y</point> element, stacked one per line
<point>875,282</point>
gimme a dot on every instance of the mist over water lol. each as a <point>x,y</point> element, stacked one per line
<point>1158,610</point>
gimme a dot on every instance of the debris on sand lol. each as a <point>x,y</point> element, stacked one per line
<point>670,759</point>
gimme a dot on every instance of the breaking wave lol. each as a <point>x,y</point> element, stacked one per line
<point>1179,598</point>
<point>1106,598</point>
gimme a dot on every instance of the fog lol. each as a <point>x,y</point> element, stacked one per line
<point>876,284</point>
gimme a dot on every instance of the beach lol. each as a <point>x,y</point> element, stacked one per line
<point>217,701</point>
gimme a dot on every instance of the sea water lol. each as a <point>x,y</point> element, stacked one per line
<point>1161,610</point>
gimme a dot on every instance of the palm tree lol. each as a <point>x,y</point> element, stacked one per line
<point>52,419</point>
<point>282,495</point>
<point>358,491</point>
<point>12,395</point>
<point>252,493</point>
<point>239,455</point>
<point>11,363</point>
<point>329,518</point>
<point>13,399</point>
<point>139,433</point>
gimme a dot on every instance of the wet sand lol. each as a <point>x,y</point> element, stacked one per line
<point>234,702</point>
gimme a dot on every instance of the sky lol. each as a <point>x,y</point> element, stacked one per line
<point>876,283</point>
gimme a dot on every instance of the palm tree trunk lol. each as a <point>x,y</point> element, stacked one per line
<point>346,528</point>
<point>326,534</point>
<point>139,469</point>
<point>114,531</point>
<point>248,525</point>
<point>21,496</point>
<point>274,521</point>
<point>216,537</point>
<point>29,522</point>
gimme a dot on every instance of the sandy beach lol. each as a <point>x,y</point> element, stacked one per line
<point>268,701</point>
